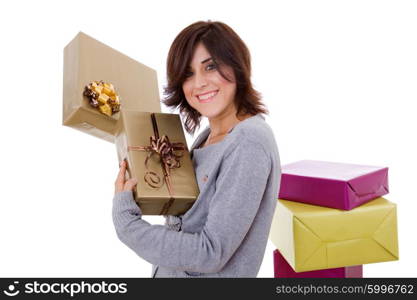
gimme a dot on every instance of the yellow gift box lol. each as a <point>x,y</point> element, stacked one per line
<point>312,237</point>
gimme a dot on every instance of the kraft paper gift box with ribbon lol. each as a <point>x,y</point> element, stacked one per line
<point>283,270</point>
<point>156,151</point>
<point>330,184</point>
<point>312,237</point>
<point>87,60</point>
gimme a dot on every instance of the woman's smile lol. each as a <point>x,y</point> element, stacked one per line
<point>207,97</point>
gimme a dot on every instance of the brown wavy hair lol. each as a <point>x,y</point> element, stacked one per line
<point>226,48</point>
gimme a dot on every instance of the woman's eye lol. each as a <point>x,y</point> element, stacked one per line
<point>211,67</point>
<point>188,74</point>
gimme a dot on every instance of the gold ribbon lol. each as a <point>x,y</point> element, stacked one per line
<point>169,158</point>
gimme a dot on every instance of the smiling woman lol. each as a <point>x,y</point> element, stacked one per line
<point>204,84</point>
<point>236,162</point>
<point>210,57</point>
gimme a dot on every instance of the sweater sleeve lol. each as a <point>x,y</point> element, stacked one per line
<point>240,186</point>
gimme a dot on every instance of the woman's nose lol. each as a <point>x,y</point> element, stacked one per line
<point>200,80</point>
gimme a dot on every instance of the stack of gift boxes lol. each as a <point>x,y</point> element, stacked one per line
<point>330,219</point>
<point>115,98</point>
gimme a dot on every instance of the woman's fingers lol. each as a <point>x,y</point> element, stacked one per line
<point>120,183</point>
<point>130,184</point>
<point>120,180</point>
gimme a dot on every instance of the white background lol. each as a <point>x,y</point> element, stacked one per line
<point>339,79</point>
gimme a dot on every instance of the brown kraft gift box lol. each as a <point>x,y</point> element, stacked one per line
<point>87,60</point>
<point>173,194</point>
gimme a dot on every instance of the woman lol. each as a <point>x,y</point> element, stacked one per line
<point>236,160</point>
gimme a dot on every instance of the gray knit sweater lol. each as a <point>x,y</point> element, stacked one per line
<point>225,232</point>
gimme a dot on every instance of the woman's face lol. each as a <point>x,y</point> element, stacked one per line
<point>205,89</point>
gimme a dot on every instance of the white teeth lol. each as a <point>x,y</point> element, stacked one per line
<point>207,96</point>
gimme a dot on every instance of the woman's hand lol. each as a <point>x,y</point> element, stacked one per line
<point>120,185</point>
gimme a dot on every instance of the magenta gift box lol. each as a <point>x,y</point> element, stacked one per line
<point>330,184</point>
<point>283,270</point>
